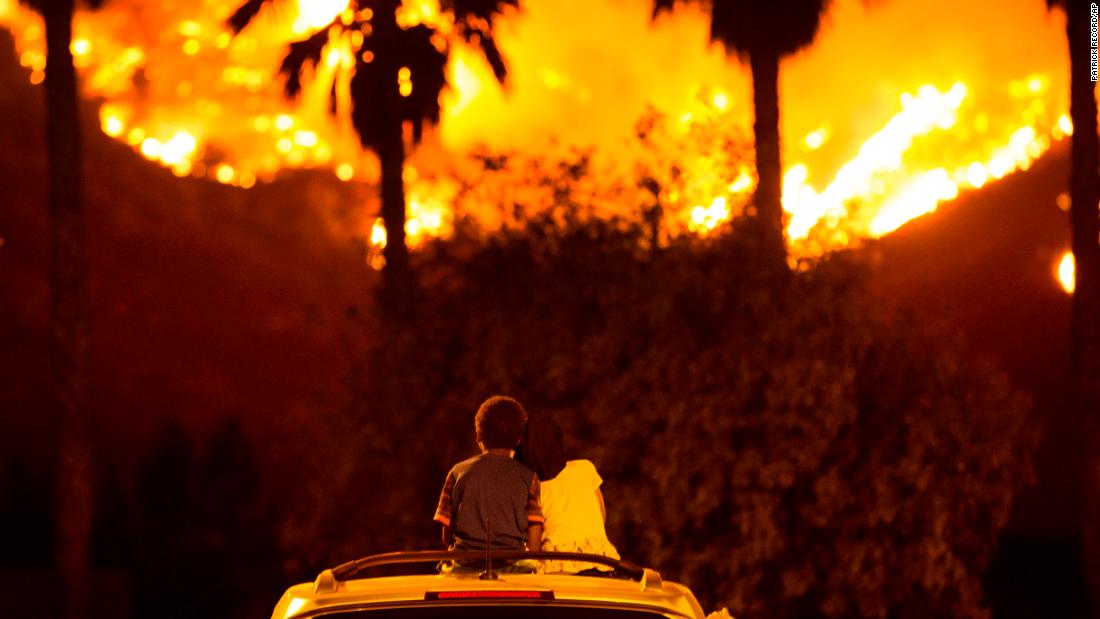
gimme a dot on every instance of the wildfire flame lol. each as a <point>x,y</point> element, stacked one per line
<point>184,93</point>
<point>1066,272</point>
<point>877,174</point>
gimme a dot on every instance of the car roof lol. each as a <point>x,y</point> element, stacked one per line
<point>649,593</point>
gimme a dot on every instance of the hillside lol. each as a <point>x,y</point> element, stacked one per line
<point>985,264</point>
<point>207,301</point>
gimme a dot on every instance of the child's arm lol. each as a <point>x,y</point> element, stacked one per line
<point>534,516</point>
<point>534,536</point>
<point>444,510</point>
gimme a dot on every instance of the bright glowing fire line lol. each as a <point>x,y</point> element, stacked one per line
<point>879,189</point>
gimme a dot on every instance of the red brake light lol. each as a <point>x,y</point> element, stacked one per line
<point>498,594</point>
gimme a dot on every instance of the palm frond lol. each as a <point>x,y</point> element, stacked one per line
<point>784,26</point>
<point>479,9</point>
<point>245,14</point>
<point>367,114</point>
<point>427,67</point>
<point>38,6</point>
<point>662,6</point>
<point>299,53</point>
<point>493,56</point>
<point>474,23</point>
<point>373,84</point>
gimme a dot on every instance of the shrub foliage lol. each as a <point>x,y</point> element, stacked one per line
<point>779,441</point>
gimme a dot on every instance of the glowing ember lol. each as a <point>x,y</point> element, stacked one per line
<point>817,138</point>
<point>1066,272</point>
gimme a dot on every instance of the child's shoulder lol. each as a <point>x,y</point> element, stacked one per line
<point>582,468</point>
<point>466,464</point>
<point>488,463</point>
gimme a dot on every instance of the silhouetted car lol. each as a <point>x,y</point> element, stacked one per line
<point>627,591</point>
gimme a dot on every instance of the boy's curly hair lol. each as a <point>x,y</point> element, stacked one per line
<point>500,421</point>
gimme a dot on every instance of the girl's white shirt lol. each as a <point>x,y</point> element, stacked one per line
<point>571,507</point>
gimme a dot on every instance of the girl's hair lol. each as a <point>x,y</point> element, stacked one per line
<point>542,449</point>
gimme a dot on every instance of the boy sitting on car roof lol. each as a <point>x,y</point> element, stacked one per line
<point>492,487</point>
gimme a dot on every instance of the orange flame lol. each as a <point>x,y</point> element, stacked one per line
<point>973,106</point>
<point>1066,272</point>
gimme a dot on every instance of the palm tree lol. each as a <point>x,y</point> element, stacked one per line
<point>1084,191</point>
<point>391,55</point>
<point>69,313</point>
<point>763,31</point>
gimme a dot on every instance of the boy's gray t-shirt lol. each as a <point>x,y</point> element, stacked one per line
<point>494,487</point>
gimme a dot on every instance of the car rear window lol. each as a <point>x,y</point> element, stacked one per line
<point>457,610</point>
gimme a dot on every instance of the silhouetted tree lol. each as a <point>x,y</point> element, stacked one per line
<point>1084,193</point>
<point>391,55</point>
<point>166,566</point>
<point>25,516</point>
<point>69,314</point>
<point>238,527</point>
<point>207,537</point>
<point>764,31</point>
<point>112,519</point>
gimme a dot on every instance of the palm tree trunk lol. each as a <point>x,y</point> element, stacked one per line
<point>396,283</point>
<point>765,100</point>
<point>69,314</point>
<point>1085,327</point>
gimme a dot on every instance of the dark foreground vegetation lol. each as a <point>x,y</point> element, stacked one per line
<point>778,441</point>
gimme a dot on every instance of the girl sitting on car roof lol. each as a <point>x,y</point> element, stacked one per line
<point>572,504</point>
